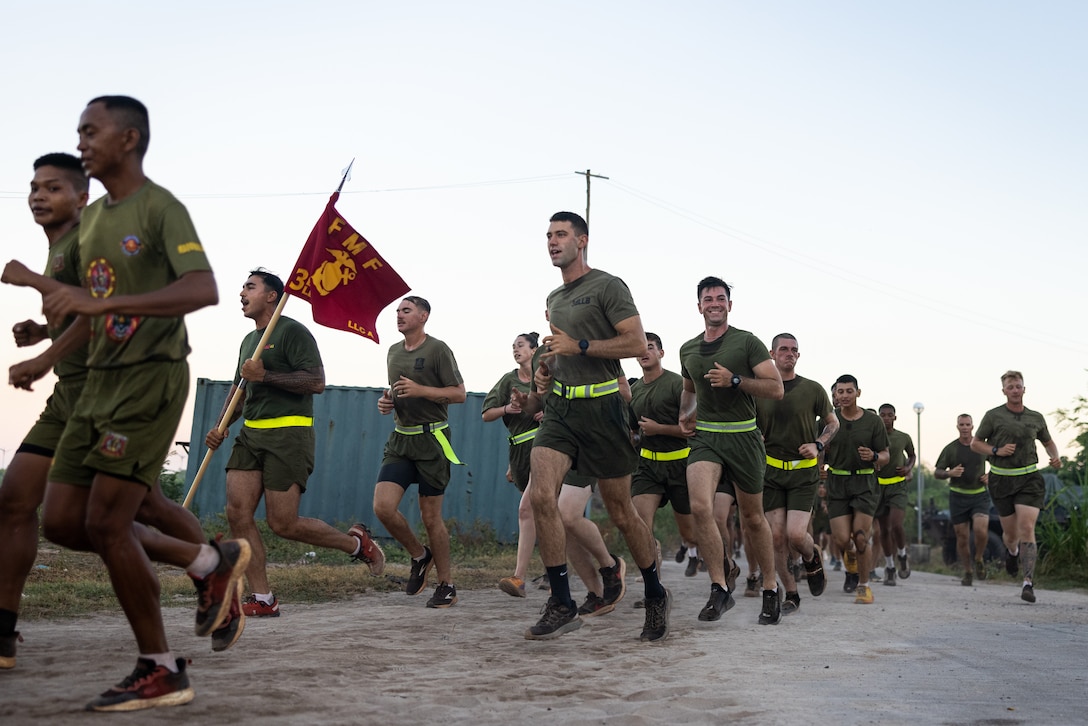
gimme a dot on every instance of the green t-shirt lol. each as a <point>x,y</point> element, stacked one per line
<point>973,465</point>
<point>431,364</point>
<point>138,245</point>
<point>1001,426</point>
<point>794,419</point>
<point>867,431</point>
<point>499,395</point>
<point>291,347</point>
<point>739,351</point>
<point>64,267</point>
<point>900,446</point>
<point>658,401</point>
<point>589,309</point>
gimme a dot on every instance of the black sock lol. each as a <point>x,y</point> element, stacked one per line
<point>7,621</point>
<point>557,578</point>
<point>654,590</point>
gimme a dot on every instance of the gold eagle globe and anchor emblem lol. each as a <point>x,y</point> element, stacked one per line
<point>335,272</point>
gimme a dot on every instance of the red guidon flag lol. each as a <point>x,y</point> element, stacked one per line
<point>342,276</point>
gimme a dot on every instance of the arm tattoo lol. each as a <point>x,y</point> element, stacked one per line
<point>308,380</point>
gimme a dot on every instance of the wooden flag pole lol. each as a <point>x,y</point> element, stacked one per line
<point>224,422</point>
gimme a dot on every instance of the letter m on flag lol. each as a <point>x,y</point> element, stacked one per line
<point>342,276</point>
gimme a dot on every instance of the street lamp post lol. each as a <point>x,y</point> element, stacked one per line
<point>918,408</point>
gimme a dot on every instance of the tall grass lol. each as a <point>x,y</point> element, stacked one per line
<point>1064,548</point>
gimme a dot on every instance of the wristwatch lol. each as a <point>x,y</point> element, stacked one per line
<point>583,344</point>
<point>819,446</point>
<point>735,380</point>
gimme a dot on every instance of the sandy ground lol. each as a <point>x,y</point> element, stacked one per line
<point>928,651</point>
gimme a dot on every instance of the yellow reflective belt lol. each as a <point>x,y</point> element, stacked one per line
<point>967,491</point>
<point>1012,472</point>
<point>665,455</point>
<point>791,465</point>
<point>589,390</point>
<point>522,437</point>
<point>726,427</point>
<point>436,429</point>
<point>280,422</point>
<point>886,480</point>
<point>847,472</point>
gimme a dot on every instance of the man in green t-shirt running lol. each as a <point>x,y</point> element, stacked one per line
<point>1007,436</point>
<point>594,324</point>
<point>423,381</point>
<point>273,454</point>
<point>968,501</point>
<point>795,431</point>
<point>853,457</point>
<point>725,369</point>
<point>893,481</point>
<point>144,268</point>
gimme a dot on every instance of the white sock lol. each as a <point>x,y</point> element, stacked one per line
<point>166,660</point>
<point>903,552</point>
<point>266,597</point>
<point>693,552</point>
<point>205,562</point>
<point>889,561</point>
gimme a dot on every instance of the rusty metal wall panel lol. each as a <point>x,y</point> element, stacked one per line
<point>350,435</point>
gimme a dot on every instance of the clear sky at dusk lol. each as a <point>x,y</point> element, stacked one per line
<point>901,185</point>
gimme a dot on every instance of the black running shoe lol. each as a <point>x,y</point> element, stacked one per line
<point>417,580</point>
<point>555,620</point>
<point>817,579</point>
<point>772,608</point>
<point>1012,563</point>
<point>613,579</point>
<point>657,618</point>
<point>980,569</point>
<point>889,576</point>
<point>692,568</point>
<point>850,584</point>
<point>149,686</point>
<point>721,600</point>
<point>595,605</point>
<point>904,566</point>
<point>1028,593</point>
<point>792,603</point>
<point>445,595</point>
<point>680,553</point>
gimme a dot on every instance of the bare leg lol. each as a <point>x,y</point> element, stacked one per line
<point>526,533</point>
<point>20,495</point>
<point>438,537</point>
<point>572,509</point>
<point>757,535</point>
<point>387,496</point>
<point>703,479</point>
<point>244,492</point>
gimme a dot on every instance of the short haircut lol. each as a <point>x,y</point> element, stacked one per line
<point>531,338</point>
<point>271,281</point>
<point>708,282</point>
<point>887,405</point>
<point>419,303</point>
<point>846,378</point>
<point>131,114</point>
<point>1011,374</point>
<point>580,226</point>
<point>70,165</point>
<point>655,339</point>
<point>964,415</point>
<point>780,336</point>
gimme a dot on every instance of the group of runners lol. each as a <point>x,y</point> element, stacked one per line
<point>737,426</point>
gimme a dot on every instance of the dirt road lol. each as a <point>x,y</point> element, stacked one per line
<point>928,651</point>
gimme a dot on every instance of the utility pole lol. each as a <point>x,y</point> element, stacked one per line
<point>588,174</point>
